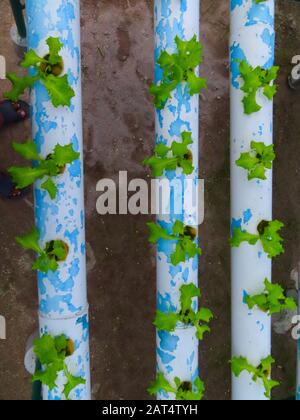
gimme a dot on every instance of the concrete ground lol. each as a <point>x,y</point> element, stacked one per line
<point>117,47</point>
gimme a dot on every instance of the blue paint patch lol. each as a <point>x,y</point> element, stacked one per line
<point>259,13</point>
<point>175,270</point>
<point>245,296</point>
<point>165,8</point>
<point>236,224</point>
<point>164,303</point>
<point>75,169</point>
<point>56,282</point>
<point>235,3</point>
<point>56,304</point>
<point>166,358</point>
<point>73,238</point>
<point>185,275</point>
<point>168,342</point>
<point>84,322</point>
<point>236,55</point>
<point>247,216</point>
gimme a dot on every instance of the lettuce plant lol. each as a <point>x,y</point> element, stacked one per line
<point>185,236</point>
<point>48,71</point>
<point>272,300</point>
<point>256,79</point>
<point>48,258</point>
<point>52,353</point>
<point>186,315</point>
<point>260,373</point>
<point>183,390</point>
<point>257,161</point>
<point>177,68</point>
<point>169,158</point>
<point>50,167</point>
<point>267,234</point>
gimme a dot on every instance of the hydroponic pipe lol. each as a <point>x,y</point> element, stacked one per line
<point>252,39</point>
<point>63,307</point>
<point>177,353</point>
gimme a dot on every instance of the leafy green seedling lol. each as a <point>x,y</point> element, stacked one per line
<point>257,161</point>
<point>262,372</point>
<point>185,236</point>
<point>177,68</point>
<point>183,390</point>
<point>255,79</point>
<point>267,234</point>
<point>50,167</point>
<point>48,71</point>
<point>186,315</point>
<point>272,300</point>
<point>259,1</point>
<point>169,158</point>
<point>55,251</point>
<point>52,353</point>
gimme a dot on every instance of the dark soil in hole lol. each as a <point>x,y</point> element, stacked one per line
<point>262,226</point>
<point>50,249</point>
<point>191,232</point>
<point>56,70</point>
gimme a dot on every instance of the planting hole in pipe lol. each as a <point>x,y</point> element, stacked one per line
<point>185,247</point>
<point>183,390</point>
<point>48,70</point>
<point>55,69</point>
<point>51,167</point>
<point>272,300</point>
<point>268,235</point>
<point>257,161</point>
<point>52,353</point>
<point>260,373</point>
<point>177,68</point>
<point>170,158</point>
<point>58,250</point>
<point>55,251</point>
<point>186,315</point>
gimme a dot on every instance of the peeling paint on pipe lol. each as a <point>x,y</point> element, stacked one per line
<point>62,295</point>
<point>252,39</point>
<point>177,353</point>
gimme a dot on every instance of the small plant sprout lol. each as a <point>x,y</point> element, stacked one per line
<point>53,166</point>
<point>169,158</point>
<point>187,391</point>
<point>52,353</point>
<point>48,258</point>
<point>257,161</point>
<point>177,68</point>
<point>255,79</point>
<point>185,236</point>
<point>272,300</point>
<point>267,234</point>
<point>259,373</point>
<point>186,315</point>
<point>48,71</point>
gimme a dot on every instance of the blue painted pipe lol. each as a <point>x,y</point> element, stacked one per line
<point>177,353</point>
<point>63,306</point>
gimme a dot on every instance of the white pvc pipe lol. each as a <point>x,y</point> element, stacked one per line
<point>181,113</point>
<point>252,39</point>
<point>62,295</point>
